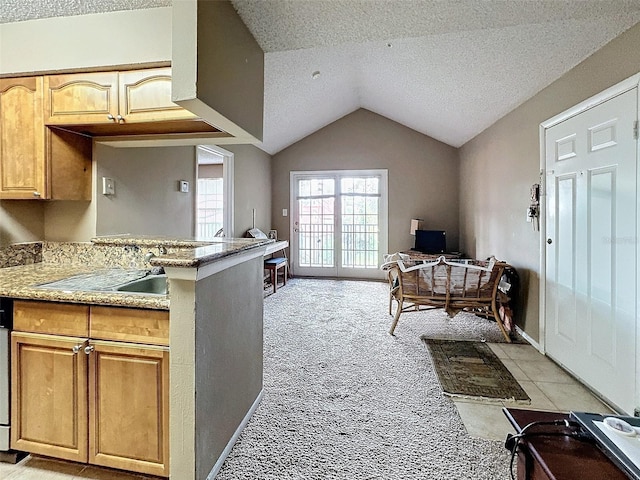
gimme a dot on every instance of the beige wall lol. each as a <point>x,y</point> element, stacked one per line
<point>423,173</point>
<point>252,188</point>
<point>498,167</point>
<point>147,199</point>
<point>83,41</point>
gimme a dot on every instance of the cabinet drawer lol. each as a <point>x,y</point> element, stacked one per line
<point>51,317</point>
<point>150,327</point>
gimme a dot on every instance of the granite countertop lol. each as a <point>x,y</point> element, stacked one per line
<point>21,283</point>
<point>185,253</point>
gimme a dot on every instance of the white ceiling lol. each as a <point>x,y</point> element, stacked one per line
<point>446,68</point>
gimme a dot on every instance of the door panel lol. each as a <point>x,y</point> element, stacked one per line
<point>591,260</point>
<point>128,407</point>
<point>49,396</point>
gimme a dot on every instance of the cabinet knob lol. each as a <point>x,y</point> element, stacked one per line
<point>111,117</point>
<point>37,194</point>
<point>76,348</point>
<point>120,119</point>
<point>88,349</point>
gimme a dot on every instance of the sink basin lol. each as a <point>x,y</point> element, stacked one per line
<point>154,284</point>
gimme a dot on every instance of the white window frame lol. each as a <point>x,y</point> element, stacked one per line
<point>228,179</point>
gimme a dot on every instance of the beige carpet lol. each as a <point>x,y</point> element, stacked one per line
<point>345,400</point>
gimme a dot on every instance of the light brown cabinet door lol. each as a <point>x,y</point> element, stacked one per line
<point>81,98</point>
<point>129,407</point>
<point>49,396</point>
<point>22,164</point>
<point>145,96</point>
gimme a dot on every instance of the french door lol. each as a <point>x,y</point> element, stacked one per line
<point>339,223</point>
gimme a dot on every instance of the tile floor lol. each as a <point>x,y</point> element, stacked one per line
<point>549,387</point>
<point>37,468</point>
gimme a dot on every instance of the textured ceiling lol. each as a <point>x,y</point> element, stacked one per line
<point>446,68</point>
<point>21,10</point>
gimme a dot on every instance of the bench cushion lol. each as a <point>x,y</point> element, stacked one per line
<point>275,261</point>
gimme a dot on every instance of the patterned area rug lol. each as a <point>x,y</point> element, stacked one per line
<point>471,369</point>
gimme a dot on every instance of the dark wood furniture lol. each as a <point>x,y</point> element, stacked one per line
<point>273,265</point>
<point>558,457</point>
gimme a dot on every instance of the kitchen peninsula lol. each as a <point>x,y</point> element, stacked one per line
<point>214,330</point>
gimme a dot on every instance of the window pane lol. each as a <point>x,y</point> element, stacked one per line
<point>209,207</point>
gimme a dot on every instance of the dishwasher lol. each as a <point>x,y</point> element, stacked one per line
<point>5,394</point>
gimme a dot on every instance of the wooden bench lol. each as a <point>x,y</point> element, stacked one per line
<point>273,265</point>
<point>448,284</point>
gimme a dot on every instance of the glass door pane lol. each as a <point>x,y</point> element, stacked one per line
<point>315,227</point>
<point>360,225</point>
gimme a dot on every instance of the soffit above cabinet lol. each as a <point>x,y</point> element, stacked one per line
<point>218,68</point>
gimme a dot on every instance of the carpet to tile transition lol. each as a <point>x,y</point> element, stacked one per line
<point>471,370</point>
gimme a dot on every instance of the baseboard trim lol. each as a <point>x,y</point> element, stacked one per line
<point>227,450</point>
<point>533,343</point>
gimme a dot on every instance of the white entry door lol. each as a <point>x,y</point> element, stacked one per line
<point>591,247</point>
<point>339,223</point>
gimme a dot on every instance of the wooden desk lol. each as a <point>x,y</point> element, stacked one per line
<point>558,457</point>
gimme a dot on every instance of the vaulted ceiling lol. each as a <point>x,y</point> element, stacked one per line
<point>446,68</point>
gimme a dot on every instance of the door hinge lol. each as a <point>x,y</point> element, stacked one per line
<point>635,130</point>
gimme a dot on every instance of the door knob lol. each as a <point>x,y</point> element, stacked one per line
<point>549,241</point>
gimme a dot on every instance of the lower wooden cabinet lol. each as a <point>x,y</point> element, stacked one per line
<point>49,396</point>
<point>129,407</point>
<point>93,401</point>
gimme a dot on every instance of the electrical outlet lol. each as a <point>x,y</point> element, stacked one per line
<point>108,186</point>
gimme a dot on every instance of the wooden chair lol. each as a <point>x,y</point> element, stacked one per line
<point>452,286</point>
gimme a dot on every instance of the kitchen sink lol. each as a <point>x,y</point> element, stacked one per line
<point>114,280</point>
<point>154,284</point>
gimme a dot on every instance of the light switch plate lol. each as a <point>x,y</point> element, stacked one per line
<point>284,212</point>
<point>183,186</point>
<point>108,186</point>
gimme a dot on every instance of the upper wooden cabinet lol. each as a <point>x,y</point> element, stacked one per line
<point>81,98</point>
<point>145,96</point>
<point>118,103</point>
<point>37,162</point>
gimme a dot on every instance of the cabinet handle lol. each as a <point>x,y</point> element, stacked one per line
<point>120,119</point>
<point>37,194</point>
<point>111,117</point>
<point>76,348</point>
<point>88,349</point>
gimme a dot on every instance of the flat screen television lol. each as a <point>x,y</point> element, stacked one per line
<point>431,241</point>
